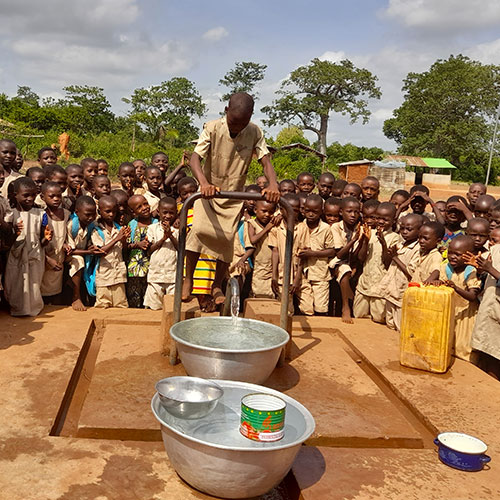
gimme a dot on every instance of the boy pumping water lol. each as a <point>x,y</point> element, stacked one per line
<point>226,145</point>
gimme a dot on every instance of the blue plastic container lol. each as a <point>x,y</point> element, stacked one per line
<point>461,451</point>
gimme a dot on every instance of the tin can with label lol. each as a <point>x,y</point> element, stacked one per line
<point>262,417</point>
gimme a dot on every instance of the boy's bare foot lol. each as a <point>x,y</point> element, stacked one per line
<point>77,305</point>
<point>346,317</point>
<point>204,302</point>
<point>210,307</point>
<point>187,288</point>
<point>218,296</point>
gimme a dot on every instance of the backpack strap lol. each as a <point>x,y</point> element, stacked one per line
<point>241,236</point>
<point>449,271</point>
<point>468,272</point>
<point>75,225</point>
<point>133,226</point>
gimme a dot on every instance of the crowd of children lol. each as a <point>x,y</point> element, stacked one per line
<point>69,237</point>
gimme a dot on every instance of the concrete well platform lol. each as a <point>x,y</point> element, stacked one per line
<point>76,422</point>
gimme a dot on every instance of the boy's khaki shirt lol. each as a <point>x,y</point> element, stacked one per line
<point>319,238</point>
<point>341,236</point>
<point>374,269</point>
<point>226,162</point>
<point>425,265</point>
<point>111,269</point>
<point>395,282</point>
<point>262,263</point>
<point>277,239</point>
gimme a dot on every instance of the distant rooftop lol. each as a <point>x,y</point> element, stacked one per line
<point>417,161</point>
<point>357,162</point>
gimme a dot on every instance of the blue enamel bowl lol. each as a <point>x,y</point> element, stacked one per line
<point>461,451</point>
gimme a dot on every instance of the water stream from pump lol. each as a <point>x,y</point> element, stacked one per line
<point>235,299</point>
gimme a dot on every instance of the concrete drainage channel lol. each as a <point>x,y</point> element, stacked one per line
<point>112,383</point>
<point>427,431</point>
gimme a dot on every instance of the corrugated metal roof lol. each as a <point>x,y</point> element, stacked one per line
<point>357,162</point>
<point>412,161</point>
<point>438,163</point>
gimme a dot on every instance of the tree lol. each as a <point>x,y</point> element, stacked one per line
<point>312,92</point>
<point>27,96</point>
<point>172,105</point>
<point>290,135</point>
<point>339,153</point>
<point>87,109</point>
<point>242,78</point>
<point>447,111</point>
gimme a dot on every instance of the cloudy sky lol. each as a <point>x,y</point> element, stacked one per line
<point>124,44</point>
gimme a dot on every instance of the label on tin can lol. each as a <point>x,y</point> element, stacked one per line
<point>262,417</point>
<point>250,433</point>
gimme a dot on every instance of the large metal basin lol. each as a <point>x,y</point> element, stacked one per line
<point>229,348</point>
<point>212,456</point>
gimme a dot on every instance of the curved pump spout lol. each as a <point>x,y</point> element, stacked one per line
<point>232,303</point>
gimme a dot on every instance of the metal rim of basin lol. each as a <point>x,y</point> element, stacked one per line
<point>228,319</point>
<point>310,424</point>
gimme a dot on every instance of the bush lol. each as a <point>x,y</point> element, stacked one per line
<point>288,164</point>
<point>115,148</point>
<point>473,169</point>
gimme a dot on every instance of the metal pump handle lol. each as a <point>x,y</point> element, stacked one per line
<point>290,219</point>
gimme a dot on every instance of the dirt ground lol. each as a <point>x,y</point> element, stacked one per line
<point>76,422</point>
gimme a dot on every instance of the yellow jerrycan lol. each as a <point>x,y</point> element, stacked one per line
<point>427,327</point>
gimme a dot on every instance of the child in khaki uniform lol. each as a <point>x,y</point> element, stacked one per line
<point>78,244</point>
<point>375,255</point>
<point>463,279</point>
<point>227,145</point>
<point>429,260</point>
<point>398,275</point>
<point>258,237</point>
<point>8,151</point>
<point>345,234</point>
<point>57,221</point>
<point>111,272</point>
<point>74,188</point>
<point>163,255</point>
<point>315,243</point>
<point>25,263</point>
<point>486,333</point>
<point>153,195</point>
<point>277,241</point>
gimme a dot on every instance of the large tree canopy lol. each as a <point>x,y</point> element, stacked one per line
<point>91,108</point>
<point>312,92</point>
<point>172,105</point>
<point>84,109</point>
<point>242,78</point>
<point>447,111</point>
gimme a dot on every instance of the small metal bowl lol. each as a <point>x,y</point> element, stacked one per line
<point>188,397</point>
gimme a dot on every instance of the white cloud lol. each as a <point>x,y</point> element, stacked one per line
<point>215,34</point>
<point>93,20</point>
<point>444,15</point>
<point>487,53</point>
<point>332,56</point>
<point>381,114</point>
<point>58,64</point>
<point>93,42</point>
